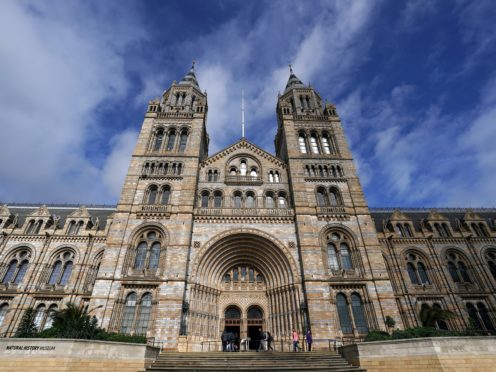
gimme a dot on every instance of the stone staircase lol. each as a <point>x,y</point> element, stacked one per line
<point>251,361</point>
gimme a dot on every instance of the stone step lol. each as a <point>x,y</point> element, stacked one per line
<point>251,361</point>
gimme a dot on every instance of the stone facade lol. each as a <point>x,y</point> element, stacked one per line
<point>243,239</point>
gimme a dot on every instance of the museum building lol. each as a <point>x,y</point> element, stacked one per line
<point>244,239</point>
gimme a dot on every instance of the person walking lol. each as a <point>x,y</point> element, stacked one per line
<point>261,340</point>
<point>269,341</point>
<point>224,340</point>
<point>309,340</point>
<point>296,341</point>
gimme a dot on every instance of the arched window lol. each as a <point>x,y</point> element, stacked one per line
<point>338,252</point>
<point>145,312</point>
<point>282,202</point>
<point>476,229</point>
<point>271,176</point>
<point>55,273</point>
<point>3,312</point>
<point>447,232</point>
<point>313,143</point>
<point>345,257</point>
<point>148,251</point>
<point>21,272</point>
<point>399,230</point>
<point>483,230</point>
<point>457,268</point>
<point>422,273</point>
<point>408,230</point>
<point>66,273</point>
<point>152,194</point>
<point>171,141</point>
<point>332,257</point>
<point>484,315</point>
<point>159,138</point>
<point>217,199</point>
<point>321,197</point>
<point>242,168</point>
<point>251,275</point>
<point>71,230</point>
<point>441,324</point>
<point>232,313</point>
<point>250,200</point>
<point>416,269</point>
<point>358,314</point>
<point>128,314</point>
<point>166,191</point>
<point>343,313</point>
<point>325,144</point>
<point>334,197</point>
<point>233,171</point>
<point>253,172</point>
<point>412,273</point>
<point>237,199</point>
<point>302,143</point>
<point>154,256</point>
<point>10,272</point>
<point>269,200</point>
<point>183,141</point>
<point>204,199</point>
<point>491,262</point>
<point>139,261</point>
<point>39,316</point>
<point>276,176</point>
<point>210,176</point>
<point>50,314</point>
<point>472,313</point>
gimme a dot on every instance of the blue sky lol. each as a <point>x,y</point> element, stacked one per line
<point>414,83</point>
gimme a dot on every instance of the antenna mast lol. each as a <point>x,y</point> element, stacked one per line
<point>242,113</point>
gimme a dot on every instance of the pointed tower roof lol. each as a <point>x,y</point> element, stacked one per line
<point>190,78</point>
<point>293,81</point>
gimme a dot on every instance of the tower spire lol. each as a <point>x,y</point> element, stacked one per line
<point>242,113</point>
<point>190,77</point>
<point>293,81</point>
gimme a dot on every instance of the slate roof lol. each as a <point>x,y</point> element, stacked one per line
<point>102,212</point>
<point>418,214</point>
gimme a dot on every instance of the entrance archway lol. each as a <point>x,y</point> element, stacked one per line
<point>249,270</point>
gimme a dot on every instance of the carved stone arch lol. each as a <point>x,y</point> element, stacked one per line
<point>137,231</point>
<point>234,305</point>
<point>242,156</point>
<point>184,128</point>
<point>65,247</point>
<point>19,247</point>
<point>275,261</point>
<point>253,304</point>
<point>351,239</point>
<point>418,251</point>
<point>486,249</point>
<point>338,227</point>
<point>445,250</point>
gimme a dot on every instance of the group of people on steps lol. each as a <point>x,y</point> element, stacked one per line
<point>264,341</point>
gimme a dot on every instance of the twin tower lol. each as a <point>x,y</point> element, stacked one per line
<point>242,239</point>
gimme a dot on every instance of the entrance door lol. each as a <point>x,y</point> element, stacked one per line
<point>232,323</point>
<point>255,322</point>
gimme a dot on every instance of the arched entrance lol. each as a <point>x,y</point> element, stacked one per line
<point>246,270</point>
<point>232,320</point>
<point>255,321</point>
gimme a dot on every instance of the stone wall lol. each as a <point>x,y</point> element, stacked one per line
<point>37,354</point>
<point>433,354</point>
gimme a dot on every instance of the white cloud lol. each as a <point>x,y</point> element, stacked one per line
<point>62,63</point>
<point>116,165</point>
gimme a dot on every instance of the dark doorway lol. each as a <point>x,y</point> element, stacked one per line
<point>254,336</point>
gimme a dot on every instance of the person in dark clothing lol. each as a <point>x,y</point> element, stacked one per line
<point>269,341</point>
<point>261,337</point>
<point>309,340</point>
<point>223,337</point>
